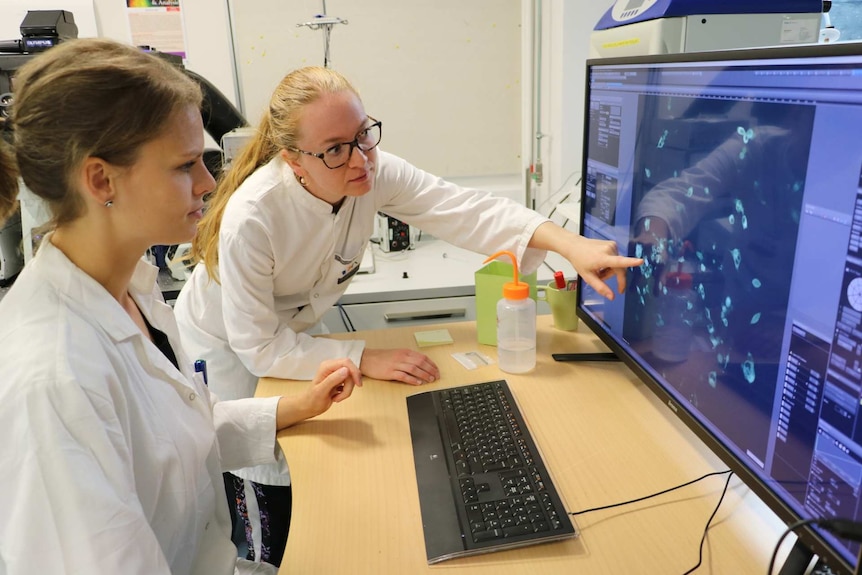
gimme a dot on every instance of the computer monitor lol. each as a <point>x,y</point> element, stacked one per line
<point>736,176</point>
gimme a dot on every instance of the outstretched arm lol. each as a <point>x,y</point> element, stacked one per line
<point>595,261</point>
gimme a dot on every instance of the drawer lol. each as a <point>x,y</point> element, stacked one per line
<point>416,312</point>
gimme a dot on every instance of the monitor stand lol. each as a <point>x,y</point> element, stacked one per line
<point>799,561</point>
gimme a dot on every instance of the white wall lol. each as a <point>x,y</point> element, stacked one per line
<point>450,79</point>
<point>443,76</point>
<point>207,37</point>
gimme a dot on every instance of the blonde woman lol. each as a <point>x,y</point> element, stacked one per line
<point>286,230</point>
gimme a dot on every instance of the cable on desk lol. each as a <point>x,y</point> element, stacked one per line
<point>727,472</point>
<point>345,319</point>
<point>708,522</point>
<point>645,497</point>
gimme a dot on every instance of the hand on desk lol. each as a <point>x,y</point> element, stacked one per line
<point>402,365</point>
<point>333,383</point>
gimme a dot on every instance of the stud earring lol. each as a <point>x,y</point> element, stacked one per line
<point>109,203</point>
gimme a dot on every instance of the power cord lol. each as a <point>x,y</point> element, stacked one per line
<point>566,197</point>
<point>558,190</point>
<point>554,209</point>
<point>645,497</point>
<point>345,319</point>
<point>727,472</point>
<point>708,523</point>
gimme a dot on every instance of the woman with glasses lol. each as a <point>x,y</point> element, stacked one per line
<point>287,228</point>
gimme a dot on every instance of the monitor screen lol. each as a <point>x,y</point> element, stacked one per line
<point>736,176</point>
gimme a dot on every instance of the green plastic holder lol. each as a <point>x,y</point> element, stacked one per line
<point>489,290</point>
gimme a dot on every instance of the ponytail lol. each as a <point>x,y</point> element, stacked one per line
<point>8,182</point>
<point>255,154</point>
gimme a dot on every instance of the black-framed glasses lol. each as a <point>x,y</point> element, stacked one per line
<point>337,155</point>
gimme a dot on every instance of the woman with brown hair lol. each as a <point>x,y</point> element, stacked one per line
<point>114,448</point>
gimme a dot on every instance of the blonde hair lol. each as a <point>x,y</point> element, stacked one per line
<point>278,130</point>
<point>89,98</point>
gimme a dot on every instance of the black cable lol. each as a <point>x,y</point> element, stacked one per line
<point>790,528</point>
<point>727,472</point>
<point>639,499</point>
<point>563,185</point>
<point>554,209</point>
<point>709,521</point>
<point>345,319</point>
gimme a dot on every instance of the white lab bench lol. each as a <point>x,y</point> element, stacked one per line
<point>431,283</point>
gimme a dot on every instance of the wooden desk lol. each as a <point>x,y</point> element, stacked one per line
<point>604,437</point>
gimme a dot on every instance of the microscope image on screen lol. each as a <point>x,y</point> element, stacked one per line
<point>736,177</point>
<point>717,200</point>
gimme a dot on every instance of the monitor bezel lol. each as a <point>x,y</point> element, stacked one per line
<point>806,534</point>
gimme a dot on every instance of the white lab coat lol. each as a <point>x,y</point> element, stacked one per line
<point>285,259</point>
<point>110,459</point>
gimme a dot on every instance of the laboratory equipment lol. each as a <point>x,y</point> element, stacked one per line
<point>11,257</point>
<point>324,22</point>
<point>636,27</point>
<point>40,30</point>
<point>750,160</point>
<point>233,142</point>
<point>219,116</point>
<point>516,323</point>
<point>395,235</point>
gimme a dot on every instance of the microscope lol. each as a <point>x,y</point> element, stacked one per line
<point>40,30</point>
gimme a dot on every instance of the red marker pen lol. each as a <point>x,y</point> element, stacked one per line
<point>560,280</point>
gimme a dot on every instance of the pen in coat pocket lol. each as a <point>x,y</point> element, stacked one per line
<point>201,367</point>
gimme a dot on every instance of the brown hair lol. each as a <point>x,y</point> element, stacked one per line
<point>8,183</point>
<point>85,98</point>
<point>278,130</point>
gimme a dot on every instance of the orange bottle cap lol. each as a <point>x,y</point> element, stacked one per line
<point>516,289</point>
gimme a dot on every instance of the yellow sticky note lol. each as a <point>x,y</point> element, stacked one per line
<point>433,337</point>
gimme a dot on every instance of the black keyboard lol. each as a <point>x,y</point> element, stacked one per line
<point>482,483</point>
